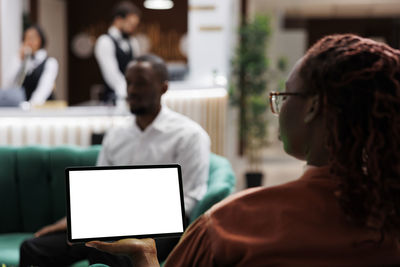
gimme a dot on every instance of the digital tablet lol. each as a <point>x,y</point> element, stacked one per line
<point>111,203</point>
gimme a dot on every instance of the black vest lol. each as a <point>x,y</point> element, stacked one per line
<point>31,81</point>
<point>123,58</point>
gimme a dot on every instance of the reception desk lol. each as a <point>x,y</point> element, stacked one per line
<point>76,125</point>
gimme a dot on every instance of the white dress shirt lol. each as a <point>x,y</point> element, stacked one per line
<point>171,138</point>
<point>104,52</point>
<point>47,79</point>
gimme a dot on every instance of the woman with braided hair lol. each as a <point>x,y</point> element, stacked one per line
<point>341,114</point>
<point>358,84</point>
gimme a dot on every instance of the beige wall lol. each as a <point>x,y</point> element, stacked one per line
<point>53,18</point>
<point>331,8</point>
<point>292,43</point>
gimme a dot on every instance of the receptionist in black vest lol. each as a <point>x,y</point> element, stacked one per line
<point>115,49</point>
<point>36,72</point>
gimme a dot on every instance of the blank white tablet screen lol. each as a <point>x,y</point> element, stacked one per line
<point>124,202</point>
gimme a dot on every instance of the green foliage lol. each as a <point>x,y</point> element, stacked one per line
<point>282,63</point>
<point>249,85</point>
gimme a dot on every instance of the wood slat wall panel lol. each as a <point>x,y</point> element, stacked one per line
<point>209,112</point>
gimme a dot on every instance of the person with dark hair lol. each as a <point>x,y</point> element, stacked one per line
<point>115,49</point>
<point>155,135</point>
<point>339,113</point>
<point>35,71</point>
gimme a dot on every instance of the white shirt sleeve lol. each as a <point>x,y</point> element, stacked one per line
<point>135,47</point>
<point>11,73</point>
<point>46,82</point>
<point>194,157</point>
<point>104,52</point>
<point>102,159</point>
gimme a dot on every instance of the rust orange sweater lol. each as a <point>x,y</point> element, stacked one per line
<point>296,224</point>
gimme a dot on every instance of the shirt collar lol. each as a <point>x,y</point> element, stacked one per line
<point>311,171</point>
<point>114,32</point>
<point>160,123</point>
<point>307,167</point>
<point>40,55</point>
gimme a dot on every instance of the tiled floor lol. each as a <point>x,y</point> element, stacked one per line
<point>278,167</point>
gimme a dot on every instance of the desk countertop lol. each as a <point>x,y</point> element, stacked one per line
<point>63,112</point>
<point>90,109</point>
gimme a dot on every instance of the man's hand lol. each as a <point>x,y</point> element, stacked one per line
<point>142,252</point>
<point>60,225</point>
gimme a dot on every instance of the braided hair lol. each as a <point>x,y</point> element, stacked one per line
<point>358,83</point>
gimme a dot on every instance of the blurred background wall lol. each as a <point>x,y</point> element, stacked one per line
<point>200,35</point>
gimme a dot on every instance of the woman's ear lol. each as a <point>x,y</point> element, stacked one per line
<point>312,108</point>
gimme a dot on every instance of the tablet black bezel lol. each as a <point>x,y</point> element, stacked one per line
<point>114,238</point>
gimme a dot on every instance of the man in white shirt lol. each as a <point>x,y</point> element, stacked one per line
<point>155,135</point>
<point>115,49</point>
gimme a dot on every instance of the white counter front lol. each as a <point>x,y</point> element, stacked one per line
<point>75,125</point>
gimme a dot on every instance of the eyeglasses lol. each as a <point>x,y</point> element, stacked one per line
<point>276,100</point>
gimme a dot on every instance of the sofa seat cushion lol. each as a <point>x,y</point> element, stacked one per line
<point>84,263</point>
<point>9,247</point>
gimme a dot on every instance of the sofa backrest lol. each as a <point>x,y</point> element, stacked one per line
<point>32,184</point>
<point>221,183</point>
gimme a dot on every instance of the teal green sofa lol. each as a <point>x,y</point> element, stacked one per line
<point>32,190</point>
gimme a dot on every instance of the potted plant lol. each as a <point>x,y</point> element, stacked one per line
<point>249,92</point>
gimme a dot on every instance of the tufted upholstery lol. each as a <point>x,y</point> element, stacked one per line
<point>32,191</point>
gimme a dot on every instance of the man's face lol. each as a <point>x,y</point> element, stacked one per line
<point>130,23</point>
<point>144,88</point>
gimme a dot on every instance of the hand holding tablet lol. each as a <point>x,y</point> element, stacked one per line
<point>141,251</point>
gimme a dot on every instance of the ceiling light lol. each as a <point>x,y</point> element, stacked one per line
<point>158,4</point>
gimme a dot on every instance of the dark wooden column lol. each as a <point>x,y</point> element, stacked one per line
<point>34,11</point>
<point>242,104</point>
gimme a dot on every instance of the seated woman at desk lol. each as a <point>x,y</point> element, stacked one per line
<point>34,71</point>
